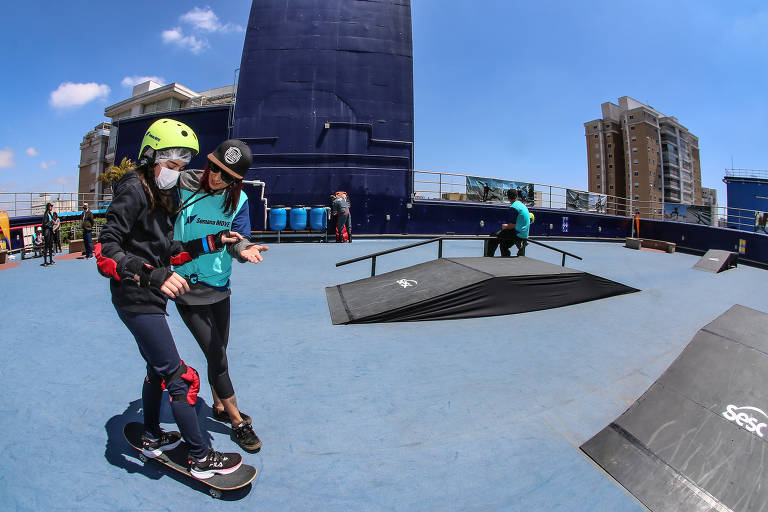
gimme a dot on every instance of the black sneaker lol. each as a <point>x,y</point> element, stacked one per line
<point>224,417</point>
<point>246,437</point>
<point>155,447</point>
<point>215,463</point>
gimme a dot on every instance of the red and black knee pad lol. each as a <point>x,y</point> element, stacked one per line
<point>190,379</point>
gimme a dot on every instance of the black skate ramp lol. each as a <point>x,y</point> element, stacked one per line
<point>451,288</point>
<point>716,261</point>
<point>695,441</point>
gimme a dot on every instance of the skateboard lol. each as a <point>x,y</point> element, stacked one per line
<point>176,459</point>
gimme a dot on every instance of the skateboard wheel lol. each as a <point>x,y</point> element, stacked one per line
<point>215,493</point>
<point>142,457</point>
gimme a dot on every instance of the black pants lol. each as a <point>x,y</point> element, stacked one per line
<point>348,225</point>
<point>48,248</point>
<point>209,324</point>
<point>505,239</point>
<point>158,349</point>
<point>57,240</point>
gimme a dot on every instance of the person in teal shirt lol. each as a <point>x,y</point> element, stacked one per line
<point>212,226</point>
<point>515,232</point>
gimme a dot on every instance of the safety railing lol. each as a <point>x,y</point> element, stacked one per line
<point>439,241</point>
<point>445,186</point>
<point>22,204</point>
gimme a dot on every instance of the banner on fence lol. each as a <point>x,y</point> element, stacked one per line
<point>493,190</point>
<point>691,214</point>
<point>585,201</point>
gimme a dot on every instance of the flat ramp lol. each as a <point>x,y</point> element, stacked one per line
<point>451,288</point>
<point>695,441</point>
<point>716,261</point>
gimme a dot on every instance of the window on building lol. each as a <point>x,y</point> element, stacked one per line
<point>610,166</point>
<point>595,135</point>
<point>610,187</point>
<point>634,138</point>
<point>598,186</point>
<point>610,155</point>
<point>597,166</point>
<point>637,173</point>
<point>637,198</point>
<point>631,117</point>
<point>635,161</point>
<point>634,150</point>
<point>597,176</point>
<point>609,144</point>
<point>631,127</point>
<point>597,145</point>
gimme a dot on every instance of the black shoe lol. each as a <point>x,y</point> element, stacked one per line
<point>224,417</point>
<point>155,447</point>
<point>246,438</point>
<point>215,463</point>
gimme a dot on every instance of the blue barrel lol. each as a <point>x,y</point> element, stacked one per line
<point>277,218</point>
<point>298,218</point>
<point>318,218</point>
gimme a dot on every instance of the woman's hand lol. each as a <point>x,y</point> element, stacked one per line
<point>253,253</point>
<point>174,286</point>
<point>232,238</point>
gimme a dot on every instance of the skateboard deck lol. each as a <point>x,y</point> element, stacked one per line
<point>176,459</point>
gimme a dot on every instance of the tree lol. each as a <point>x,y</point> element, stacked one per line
<point>114,173</point>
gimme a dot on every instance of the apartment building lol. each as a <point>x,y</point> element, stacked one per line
<point>642,157</point>
<point>93,161</point>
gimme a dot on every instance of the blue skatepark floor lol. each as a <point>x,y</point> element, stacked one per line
<point>474,414</point>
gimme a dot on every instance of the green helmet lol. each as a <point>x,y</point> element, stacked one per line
<point>167,133</point>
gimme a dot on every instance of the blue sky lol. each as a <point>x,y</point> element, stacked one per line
<point>502,87</point>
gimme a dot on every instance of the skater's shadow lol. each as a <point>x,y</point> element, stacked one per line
<point>121,454</point>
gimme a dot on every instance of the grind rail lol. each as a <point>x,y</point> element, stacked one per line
<point>439,241</point>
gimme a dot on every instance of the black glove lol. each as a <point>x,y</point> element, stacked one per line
<point>149,277</point>
<point>206,245</point>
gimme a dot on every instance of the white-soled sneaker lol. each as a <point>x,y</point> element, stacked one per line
<point>215,463</point>
<point>155,447</point>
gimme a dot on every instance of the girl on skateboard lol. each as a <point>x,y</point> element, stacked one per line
<point>215,211</point>
<point>134,251</point>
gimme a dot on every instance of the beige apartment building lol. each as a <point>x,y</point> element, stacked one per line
<point>642,157</point>
<point>97,150</point>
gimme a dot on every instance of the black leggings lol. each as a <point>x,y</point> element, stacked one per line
<point>209,324</point>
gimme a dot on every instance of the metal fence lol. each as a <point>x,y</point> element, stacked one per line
<point>22,204</point>
<point>446,186</point>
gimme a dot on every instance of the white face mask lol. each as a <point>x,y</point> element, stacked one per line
<point>167,178</point>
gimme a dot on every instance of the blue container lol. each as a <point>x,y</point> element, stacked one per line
<point>318,218</point>
<point>277,218</point>
<point>298,218</point>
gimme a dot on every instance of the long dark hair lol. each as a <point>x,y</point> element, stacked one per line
<point>232,192</point>
<point>158,199</point>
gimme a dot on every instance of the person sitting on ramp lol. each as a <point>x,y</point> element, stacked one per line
<point>515,232</point>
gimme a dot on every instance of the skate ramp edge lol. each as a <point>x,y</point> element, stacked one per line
<point>695,441</point>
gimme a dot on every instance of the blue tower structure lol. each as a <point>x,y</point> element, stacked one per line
<point>747,191</point>
<point>325,102</point>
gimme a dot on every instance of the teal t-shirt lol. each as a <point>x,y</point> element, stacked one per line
<point>518,213</point>
<point>205,217</point>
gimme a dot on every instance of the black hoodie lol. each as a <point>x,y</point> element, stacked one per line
<point>131,232</point>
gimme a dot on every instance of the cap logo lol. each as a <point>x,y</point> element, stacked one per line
<point>232,155</point>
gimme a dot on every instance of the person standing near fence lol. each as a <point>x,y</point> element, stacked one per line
<point>86,223</point>
<point>56,232</point>
<point>47,224</point>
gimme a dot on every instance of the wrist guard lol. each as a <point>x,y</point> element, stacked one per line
<point>207,244</point>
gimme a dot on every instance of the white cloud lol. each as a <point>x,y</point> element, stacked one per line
<point>75,95</point>
<point>63,181</point>
<point>32,152</point>
<point>176,36</point>
<point>6,158</point>
<point>51,163</point>
<point>130,81</point>
<point>205,19</point>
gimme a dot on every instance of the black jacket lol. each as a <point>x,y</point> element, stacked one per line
<point>133,232</point>
<point>86,222</point>
<point>47,221</point>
